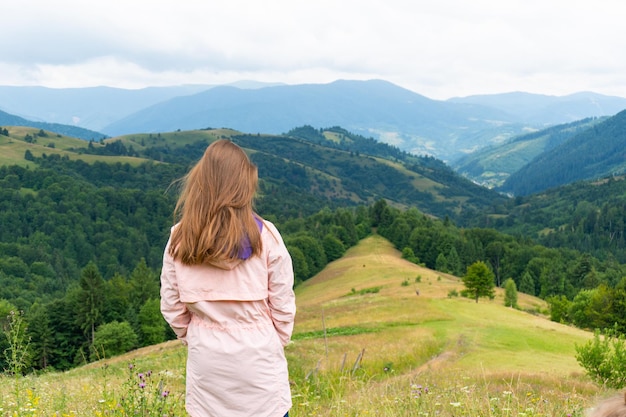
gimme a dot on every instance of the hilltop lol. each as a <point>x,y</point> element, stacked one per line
<point>392,321</point>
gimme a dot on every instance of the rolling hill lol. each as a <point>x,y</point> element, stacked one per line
<point>316,168</point>
<point>384,352</point>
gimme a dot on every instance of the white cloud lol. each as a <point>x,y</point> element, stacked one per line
<point>437,48</point>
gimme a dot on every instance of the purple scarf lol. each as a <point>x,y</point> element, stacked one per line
<point>246,248</point>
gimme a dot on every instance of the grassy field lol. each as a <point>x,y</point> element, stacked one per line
<point>366,344</point>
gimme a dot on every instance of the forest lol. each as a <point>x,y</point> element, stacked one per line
<point>596,152</point>
<point>81,243</point>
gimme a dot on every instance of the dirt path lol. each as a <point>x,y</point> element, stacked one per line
<point>436,362</point>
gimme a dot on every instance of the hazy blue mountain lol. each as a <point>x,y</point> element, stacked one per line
<point>7,119</point>
<point>492,165</point>
<point>91,108</point>
<point>374,108</point>
<point>538,109</point>
<point>597,152</point>
<point>447,129</point>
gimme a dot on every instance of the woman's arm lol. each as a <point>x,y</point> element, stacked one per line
<point>174,311</point>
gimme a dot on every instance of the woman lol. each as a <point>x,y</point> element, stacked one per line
<point>227,291</point>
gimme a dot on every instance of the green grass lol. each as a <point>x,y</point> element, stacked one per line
<point>13,148</point>
<point>384,353</point>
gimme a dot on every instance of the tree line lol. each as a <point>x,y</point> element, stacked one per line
<point>588,216</point>
<point>581,289</point>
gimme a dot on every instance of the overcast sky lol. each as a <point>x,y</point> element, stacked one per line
<point>438,48</point>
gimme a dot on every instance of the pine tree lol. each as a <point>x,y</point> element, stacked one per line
<point>90,300</point>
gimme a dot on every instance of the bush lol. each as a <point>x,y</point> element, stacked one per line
<point>453,293</point>
<point>113,339</point>
<point>604,359</point>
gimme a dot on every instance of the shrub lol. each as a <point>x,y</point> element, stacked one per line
<point>453,293</point>
<point>604,359</point>
<point>113,339</point>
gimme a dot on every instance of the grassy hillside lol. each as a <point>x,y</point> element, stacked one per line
<point>366,344</point>
<point>14,147</point>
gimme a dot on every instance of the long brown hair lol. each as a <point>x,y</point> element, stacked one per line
<point>614,406</point>
<point>215,208</point>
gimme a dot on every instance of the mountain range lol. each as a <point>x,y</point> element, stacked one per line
<point>92,108</point>
<point>511,142</point>
<point>414,123</point>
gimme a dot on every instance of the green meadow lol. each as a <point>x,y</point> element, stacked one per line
<point>375,335</point>
<point>14,147</point>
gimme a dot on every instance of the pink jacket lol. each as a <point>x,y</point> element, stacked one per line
<point>235,323</point>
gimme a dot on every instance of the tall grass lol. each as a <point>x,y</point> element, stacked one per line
<point>146,382</point>
<point>356,352</point>
<point>442,394</point>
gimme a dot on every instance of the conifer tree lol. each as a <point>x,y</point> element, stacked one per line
<point>90,300</point>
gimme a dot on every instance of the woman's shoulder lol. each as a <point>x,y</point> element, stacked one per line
<point>270,231</point>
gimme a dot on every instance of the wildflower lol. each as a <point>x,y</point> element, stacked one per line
<point>455,404</point>
<point>140,376</point>
<point>165,394</point>
<point>142,385</point>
